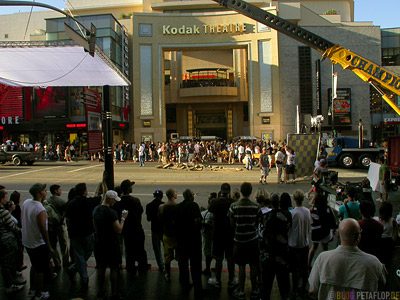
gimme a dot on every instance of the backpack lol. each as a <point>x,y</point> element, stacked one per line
<point>53,217</point>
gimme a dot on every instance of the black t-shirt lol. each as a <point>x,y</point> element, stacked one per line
<point>188,220</point>
<point>103,219</point>
<point>79,216</point>
<point>275,236</point>
<point>222,224</point>
<point>152,214</point>
<point>135,210</point>
<point>264,160</point>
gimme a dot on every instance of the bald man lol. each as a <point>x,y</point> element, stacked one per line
<point>346,268</point>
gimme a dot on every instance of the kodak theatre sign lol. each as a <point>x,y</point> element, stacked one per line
<point>206,29</point>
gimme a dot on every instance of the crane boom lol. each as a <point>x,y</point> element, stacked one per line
<point>377,76</point>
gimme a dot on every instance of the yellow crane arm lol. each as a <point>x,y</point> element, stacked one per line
<point>375,75</point>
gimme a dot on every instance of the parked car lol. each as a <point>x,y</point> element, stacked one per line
<point>17,157</point>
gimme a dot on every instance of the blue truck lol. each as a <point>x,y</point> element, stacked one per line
<point>346,152</point>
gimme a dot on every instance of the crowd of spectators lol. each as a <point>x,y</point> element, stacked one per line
<point>274,234</point>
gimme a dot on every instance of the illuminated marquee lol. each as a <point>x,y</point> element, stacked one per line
<point>206,29</point>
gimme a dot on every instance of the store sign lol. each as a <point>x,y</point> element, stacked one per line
<point>9,120</point>
<point>125,69</point>
<point>206,29</point>
<point>391,119</point>
<point>266,120</point>
<point>93,104</point>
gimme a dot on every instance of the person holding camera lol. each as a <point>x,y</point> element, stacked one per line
<point>108,252</point>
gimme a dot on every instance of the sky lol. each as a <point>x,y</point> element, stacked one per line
<point>383,12</point>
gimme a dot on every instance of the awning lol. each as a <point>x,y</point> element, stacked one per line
<point>57,66</point>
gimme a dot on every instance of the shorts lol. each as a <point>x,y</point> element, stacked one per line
<point>298,258</point>
<point>108,255</point>
<point>246,253</point>
<point>290,169</point>
<point>381,188</point>
<point>170,246</point>
<point>40,258</point>
<point>222,248</point>
<point>264,171</point>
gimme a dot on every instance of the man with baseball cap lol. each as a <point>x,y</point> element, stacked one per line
<point>132,232</point>
<point>107,248</point>
<point>35,239</point>
<point>156,231</point>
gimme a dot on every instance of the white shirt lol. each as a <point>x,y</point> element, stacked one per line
<point>346,269</point>
<point>141,150</point>
<point>290,158</point>
<point>300,233</point>
<point>31,236</point>
<point>280,156</point>
<point>241,149</point>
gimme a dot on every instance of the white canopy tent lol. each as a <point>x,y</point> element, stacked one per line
<point>66,65</point>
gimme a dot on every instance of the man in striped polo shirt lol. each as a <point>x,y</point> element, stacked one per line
<point>243,216</point>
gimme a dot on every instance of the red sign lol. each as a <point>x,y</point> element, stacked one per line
<point>93,107</point>
<point>10,101</point>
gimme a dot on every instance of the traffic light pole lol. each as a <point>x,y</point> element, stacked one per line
<point>108,139</point>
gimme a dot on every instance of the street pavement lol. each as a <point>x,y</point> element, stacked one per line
<point>148,179</point>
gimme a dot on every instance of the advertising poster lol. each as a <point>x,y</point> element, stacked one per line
<point>341,107</point>
<point>49,102</point>
<point>93,107</point>
<point>265,136</point>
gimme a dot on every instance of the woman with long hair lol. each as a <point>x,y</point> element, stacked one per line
<point>323,222</point>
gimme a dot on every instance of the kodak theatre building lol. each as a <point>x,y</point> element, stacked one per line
<point>218,73</point>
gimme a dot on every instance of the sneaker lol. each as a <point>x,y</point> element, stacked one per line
<point>43,296</point>
<point>239,295</point>
<point>233,283</point>
<point>214,282</point>
<point>379,200</point>
<point>53,275</point>
<point>14,288</point>
<point>167,277</point>
<point>260,181</point>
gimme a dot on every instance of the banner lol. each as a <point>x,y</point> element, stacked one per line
<point>93,107</point>
<point>341,107</point>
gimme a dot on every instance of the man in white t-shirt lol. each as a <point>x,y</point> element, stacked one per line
<point>36,240</point>
<point>346,269</point>
<point>141,155</point>
<point>299,240</point>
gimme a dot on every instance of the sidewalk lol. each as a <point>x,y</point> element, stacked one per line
<point>148,286</point>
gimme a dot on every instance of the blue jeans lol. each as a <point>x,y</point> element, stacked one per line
<point>249,165</point>
<point>141,160</point>
<point>83,248</point>
<point>156,239</point>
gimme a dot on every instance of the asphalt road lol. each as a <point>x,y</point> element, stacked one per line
<point>148,178</point>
